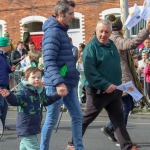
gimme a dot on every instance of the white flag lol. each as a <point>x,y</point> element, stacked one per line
<point>129,88</point>
<point>145,12</point>
<point>134,17</point>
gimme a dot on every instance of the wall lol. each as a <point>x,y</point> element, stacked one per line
<point>12,12</point>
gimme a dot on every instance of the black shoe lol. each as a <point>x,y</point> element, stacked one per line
<point>7,128</point>
<point>109,133</point>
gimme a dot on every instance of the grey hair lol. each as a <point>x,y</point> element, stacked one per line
<point>104,22</point>
<point>63,6</point>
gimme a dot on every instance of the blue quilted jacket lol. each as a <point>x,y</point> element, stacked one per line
<point>57,51</point>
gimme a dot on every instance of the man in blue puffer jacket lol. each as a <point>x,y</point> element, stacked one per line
<point>57,52</point>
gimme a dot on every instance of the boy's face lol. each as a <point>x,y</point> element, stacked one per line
<point>35,79</point>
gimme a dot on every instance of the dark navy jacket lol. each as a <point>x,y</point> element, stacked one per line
<point>5,69</point>
<point>57,51</point>
<point>29,101</point>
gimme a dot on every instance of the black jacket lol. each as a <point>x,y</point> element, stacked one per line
<point>16,56</point>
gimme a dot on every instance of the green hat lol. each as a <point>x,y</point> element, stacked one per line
<point>4,42</point>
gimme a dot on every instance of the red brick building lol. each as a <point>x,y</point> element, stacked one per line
<point>14,13</point>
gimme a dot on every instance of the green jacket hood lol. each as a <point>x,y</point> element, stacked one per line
<point>26,83</point>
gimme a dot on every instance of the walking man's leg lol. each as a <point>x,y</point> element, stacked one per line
<point>115,112</point>
<point>52,115</point>
<point>74,109</point>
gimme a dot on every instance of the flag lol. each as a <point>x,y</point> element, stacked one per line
<point>145,12</point>
<point>134,17</point>
<point>129,88</point>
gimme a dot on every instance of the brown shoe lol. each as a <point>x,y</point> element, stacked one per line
<point>70,147</point>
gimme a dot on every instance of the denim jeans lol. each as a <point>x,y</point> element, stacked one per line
<point>72,104</point>
<point>128,105</point>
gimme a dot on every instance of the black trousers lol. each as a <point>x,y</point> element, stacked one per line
<point>113,105</point>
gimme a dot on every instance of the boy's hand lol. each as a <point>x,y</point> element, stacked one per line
<point>4,92</point>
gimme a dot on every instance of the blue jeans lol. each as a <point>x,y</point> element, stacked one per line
<point>128,105</point>
<point>3,107</point>
<point>72,104</point>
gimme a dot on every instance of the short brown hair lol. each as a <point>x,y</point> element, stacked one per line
<point>19,42</point>
<point>63,6</point>
<point>31,70</point>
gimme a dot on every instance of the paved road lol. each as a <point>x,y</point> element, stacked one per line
<point>138,128</point>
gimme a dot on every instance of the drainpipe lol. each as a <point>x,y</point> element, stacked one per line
<point>124,15</point>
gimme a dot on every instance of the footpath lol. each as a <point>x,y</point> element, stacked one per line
<point>134,111</point>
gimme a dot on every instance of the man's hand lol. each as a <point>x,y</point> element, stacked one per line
<point>4,92</point>
<point>22,57</point>
<point>148,24</point>
<point>62,89</point>
<point>111,88</point>
<point>13,68</point>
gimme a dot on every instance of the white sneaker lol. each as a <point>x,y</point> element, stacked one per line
<point>117,144</point>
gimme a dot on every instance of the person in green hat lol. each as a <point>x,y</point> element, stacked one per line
<point>11,47</point>
<point>5,69</point>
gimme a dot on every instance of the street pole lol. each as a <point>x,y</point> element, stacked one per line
<point>124,15</point>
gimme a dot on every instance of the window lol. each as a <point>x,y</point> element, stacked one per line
<point>75,24</point>
<point>35,26</point>
<point>135,29</point>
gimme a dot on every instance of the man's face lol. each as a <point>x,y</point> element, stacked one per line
<point>20,46</point>
<point>5,49</point>
<point>68,17</point>
<point>147,43</point>
<point>32,47</point>
<point>103,33</point>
